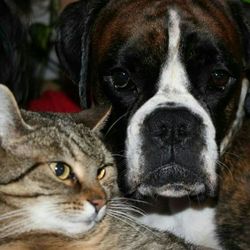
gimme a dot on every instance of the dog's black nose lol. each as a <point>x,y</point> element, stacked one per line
<point>171,126</point>
<point>172,142</point>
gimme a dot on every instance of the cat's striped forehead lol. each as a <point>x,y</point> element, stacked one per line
<point>56,140</point>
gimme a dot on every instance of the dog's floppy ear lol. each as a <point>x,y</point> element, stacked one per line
<point>69,34</point>
<point>242,17</point>
<point>73,40</point>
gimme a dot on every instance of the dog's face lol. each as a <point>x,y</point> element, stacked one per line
<point>175,74</point>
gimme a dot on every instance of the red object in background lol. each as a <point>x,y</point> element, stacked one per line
<point>53,101</point>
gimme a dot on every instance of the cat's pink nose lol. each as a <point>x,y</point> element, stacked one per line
<point>97,203</point>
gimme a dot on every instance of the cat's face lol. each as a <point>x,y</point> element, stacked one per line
<point>56,175</point>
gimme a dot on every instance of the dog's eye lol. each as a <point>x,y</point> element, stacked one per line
<point>119,78</point>
<point>219,79</point>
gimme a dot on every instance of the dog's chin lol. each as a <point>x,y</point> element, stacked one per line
<point>175,181</point>
<point>175,190</point>
<point>201,188</point>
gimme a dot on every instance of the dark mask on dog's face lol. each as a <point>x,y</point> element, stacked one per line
<point>178,72</point>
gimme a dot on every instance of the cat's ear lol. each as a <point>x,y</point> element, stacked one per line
<point>11,121</point>
<point>94,118</point>
<point>102,120</point>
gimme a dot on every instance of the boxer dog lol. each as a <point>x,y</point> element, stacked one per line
<point>176,73</point>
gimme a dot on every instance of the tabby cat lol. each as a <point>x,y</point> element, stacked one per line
<point>56,187</point>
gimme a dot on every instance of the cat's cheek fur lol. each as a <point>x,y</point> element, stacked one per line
<point>47,216</point>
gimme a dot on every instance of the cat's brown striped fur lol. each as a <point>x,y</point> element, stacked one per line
<point>41,211</point>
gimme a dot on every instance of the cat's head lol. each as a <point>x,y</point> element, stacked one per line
<point>55,174</point>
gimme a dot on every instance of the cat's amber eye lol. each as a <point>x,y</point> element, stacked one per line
<point>61,170</point>
<point>101,173</point>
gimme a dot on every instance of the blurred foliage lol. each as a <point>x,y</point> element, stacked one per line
<point>42,38</point>
<point>41,33</point>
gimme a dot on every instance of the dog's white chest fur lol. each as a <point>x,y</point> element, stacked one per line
<point>195,226</point>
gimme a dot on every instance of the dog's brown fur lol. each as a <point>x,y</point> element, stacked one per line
<point>134,18</point>
<point>233,210</point>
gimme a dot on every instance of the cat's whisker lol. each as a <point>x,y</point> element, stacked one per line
<point>125,204</point>
<point>119,155</point>
<point>15,213</point>
<point>127,209</point>
<point>16,227</point>
<point>131,199</point>
<point>133,219</point>
<point>118,217</point>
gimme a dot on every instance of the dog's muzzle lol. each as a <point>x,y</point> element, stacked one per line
<point>172,154</point>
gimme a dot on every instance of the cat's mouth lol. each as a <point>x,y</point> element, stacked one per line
<point>95,217</point>
<point>101,214</point>
<point>73,223</point>
<point>80,224</point>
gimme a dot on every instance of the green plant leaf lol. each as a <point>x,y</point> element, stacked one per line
<point>40,36</point>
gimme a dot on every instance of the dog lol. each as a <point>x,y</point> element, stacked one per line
<point>177,76</point>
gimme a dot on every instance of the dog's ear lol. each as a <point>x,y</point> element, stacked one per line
<point>242,17</point>
<point>73,40</point>
<point>246,8</point>
<point>69,34</point>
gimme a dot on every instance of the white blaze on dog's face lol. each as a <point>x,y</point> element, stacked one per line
<point>172,118</point>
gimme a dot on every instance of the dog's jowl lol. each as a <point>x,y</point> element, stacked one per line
<point>175,73</point>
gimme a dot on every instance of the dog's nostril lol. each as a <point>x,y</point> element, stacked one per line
<point>171,126</point>
<point>171,133</point>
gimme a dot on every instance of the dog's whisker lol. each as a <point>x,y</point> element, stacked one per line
<point>225,167</point>
<point>233,154</point>
<point>115,123</point>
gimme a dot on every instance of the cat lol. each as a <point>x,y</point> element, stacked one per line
<point>58,187</point>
